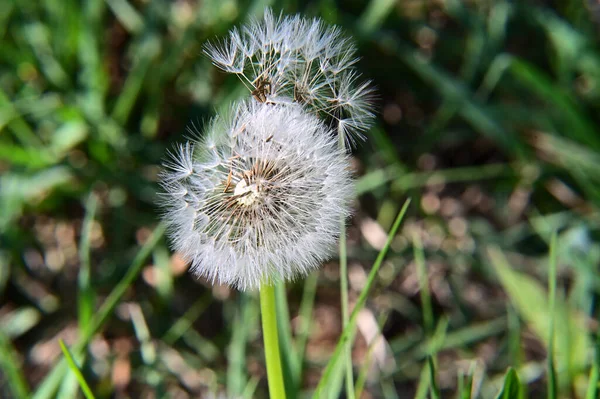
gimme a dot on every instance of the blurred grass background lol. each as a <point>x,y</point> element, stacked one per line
<point>488,122</point>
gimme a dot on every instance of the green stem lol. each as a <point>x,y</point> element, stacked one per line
<point>271,340</point>
<point>344,293</point>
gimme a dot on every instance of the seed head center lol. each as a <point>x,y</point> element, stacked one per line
<point>247,193</point>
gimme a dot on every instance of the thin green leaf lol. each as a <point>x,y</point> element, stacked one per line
<point>12,369</point>
<point>470,108</point>
<point>465,382</point>
<point>424,284</point>
<point>305,318</point>
<point>552,389</point>
<point>435,392</point>
<point>288,353</point>
<point>75,369</point>
<point>184,323</point>
<point>594,381</point>
<point>237,377</point>
<point>49,385</point>
<point>511,387</point>
<point>348,332</point>
<point>375,14</point>
<point>86,295</point>
<point>147,51</point>
<point>531,301</point>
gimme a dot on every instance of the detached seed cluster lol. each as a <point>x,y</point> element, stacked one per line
<point>294,59</point>
<point>260,196</point>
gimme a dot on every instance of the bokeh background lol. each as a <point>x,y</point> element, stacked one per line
<point>487,120</point>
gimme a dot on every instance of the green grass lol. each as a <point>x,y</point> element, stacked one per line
<point>75,369</point>
<point>486,286</point>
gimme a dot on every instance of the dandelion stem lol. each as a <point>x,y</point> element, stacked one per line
<point>271,342</point>
<point>344,293</point>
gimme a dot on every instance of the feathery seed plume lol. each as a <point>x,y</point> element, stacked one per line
<point>295,59</point>
<point>260,198</point>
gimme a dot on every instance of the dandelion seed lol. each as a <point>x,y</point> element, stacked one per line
<point>269,208</point>
<point>294,59</point>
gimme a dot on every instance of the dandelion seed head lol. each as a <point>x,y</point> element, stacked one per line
<point>263,202</point>
<point>284,59</point>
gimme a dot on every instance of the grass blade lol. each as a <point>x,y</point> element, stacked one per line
<point>185,322</point>
<point>471,110</point>
<point>236,352</point>
<point>117,293</point>
<point>287,350</point>
<point>435,392</point>
<point>465,383</point>
<point>305,317</point>
<point>75,369</point>
<point>49,385</point>
<point>86,297</point>
<point>552,394</point>
<point>424,284</point>
<point>348,332</point>
<point>11,368</point>
<point>511,387</point>
<point>531,300</point>
<point>592,390</point>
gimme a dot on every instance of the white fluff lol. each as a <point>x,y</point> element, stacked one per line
<point>283,59</point>
<point>260,198</point>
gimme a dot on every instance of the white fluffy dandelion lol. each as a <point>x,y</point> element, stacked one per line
<point>295,59</point>
<point>260,198</point>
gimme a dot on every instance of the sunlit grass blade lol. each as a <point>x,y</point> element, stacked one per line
<point>164,276</point>
<point>148,49</point>
<point>424,284</point>
<point>336,382</point>
<point>403,180</point>
<point>92,76</point>
<point>12,117</point>
<point>361,378</point>
<point>249,391</point>
<point>305,317</point>
<point>593,388</point>
<point>289,357</point>
<point>511,387</point>
<point>433,388</point>
<point>370,360</point>
<point>345,309</point>
<point>533,304</point>
<point>75,369</point>
<point>10,367</point>
<point>514,337</point>
<point>423,383</point>
<point>471,110</point>
<point>348,332</point>
<point>142,333</point>
<point>551,377</point>
<point>38,37</point>
<point>343,261</point>
<point>236,352</point>
<point>127,15</point>
<point>49,385</point>
<point>465,382</point>
<point>86,296</point>
<point>19,321</point>
<point>117,293</point>
<point>374,15</point>
<point>580,127</point>
<point>185,322</point>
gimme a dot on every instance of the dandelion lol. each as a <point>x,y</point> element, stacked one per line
<point>294,59</point>
<point>259,198</point>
